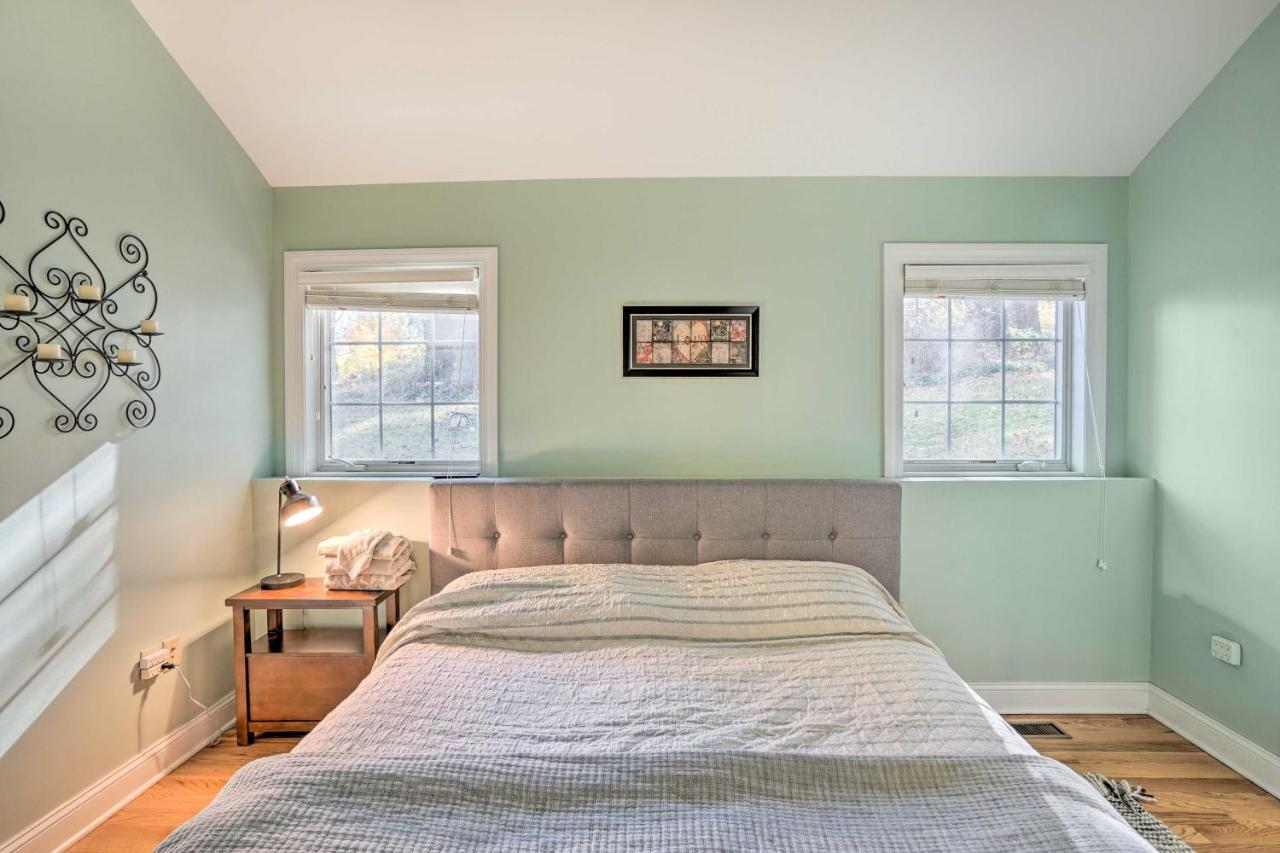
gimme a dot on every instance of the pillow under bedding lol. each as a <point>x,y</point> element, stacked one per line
<point>724,601</point>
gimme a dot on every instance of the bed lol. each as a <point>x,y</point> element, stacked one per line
<point>660,665</point>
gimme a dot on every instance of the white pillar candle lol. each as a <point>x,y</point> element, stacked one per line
<point>88,292</point>
<point>17,302</point>
<point>49,351</point>
<point>125,355</point>
<point>150,327</point>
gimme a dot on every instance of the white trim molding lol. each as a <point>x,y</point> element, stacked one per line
<point>1258,765</point>
<point>84,812</point>
<point>300,372</point>
<point>1084,445</point>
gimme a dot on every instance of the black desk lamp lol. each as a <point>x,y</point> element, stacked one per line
<point>296,507</point>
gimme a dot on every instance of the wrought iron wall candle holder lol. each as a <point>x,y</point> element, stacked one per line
<point>65,317</point>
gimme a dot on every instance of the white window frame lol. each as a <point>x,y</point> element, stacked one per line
<point>1086,452</point>
<point>303,393</point>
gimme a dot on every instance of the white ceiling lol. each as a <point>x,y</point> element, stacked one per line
<point>375,91</point>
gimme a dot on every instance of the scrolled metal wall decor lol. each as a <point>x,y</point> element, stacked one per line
<point>68,329</point>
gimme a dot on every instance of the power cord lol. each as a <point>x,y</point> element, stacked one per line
<point>192,696</point>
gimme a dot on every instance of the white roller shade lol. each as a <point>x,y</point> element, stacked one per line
<point>1009,281</point>
<point>421,288</point>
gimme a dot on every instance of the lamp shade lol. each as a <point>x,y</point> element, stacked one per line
<point>298,506</point>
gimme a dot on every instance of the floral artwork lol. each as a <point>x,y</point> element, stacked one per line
<point>690,341</point>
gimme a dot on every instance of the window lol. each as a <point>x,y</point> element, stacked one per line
<point>392,364</point>
<point>989,363</point>
<point>400,387</point>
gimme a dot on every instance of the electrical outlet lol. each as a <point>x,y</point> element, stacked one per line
<point>1225,650</point>
<point>151,661</point>
<point>174,645</point>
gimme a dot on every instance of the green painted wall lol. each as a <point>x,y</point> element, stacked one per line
<point>807,250</point>
<point>103,547</point>
<point>1002,575</point>
<point>994,555</point>
<point>1204,319</point>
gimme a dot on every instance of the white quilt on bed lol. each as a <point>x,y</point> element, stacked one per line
<point>762,655</point>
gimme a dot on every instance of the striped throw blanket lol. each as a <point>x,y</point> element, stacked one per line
<point>651,803</point>
<point>730,600</point>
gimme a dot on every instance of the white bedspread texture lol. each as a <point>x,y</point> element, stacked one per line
<point>759,655</point>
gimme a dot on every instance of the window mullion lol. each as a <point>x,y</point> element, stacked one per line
<point>432,379</point>
<point>950,344</point>
<point>1004,364</point>
<point>382,450</point>
<point>325,371</point>
<point>1063,361</point>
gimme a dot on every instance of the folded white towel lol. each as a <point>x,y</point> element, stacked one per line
<point>387,545</point>
<point>375,567</point>
<point>356,550</point>
<point>366,581</point>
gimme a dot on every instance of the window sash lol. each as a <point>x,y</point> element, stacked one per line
<point>327,461</point>
<point>1062,397</point>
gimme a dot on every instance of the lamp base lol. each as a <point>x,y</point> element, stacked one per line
<point>282,581</point>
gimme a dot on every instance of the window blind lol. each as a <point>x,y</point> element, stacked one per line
<point>436,288</point>
<point>1008,281</point>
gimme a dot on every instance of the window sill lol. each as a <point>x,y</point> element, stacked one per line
<point>997,478</point>
<point>365,477</point>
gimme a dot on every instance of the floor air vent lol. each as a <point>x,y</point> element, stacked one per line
<point>1040,729</point>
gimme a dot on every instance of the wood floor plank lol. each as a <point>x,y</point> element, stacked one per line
<point>1205,802</point>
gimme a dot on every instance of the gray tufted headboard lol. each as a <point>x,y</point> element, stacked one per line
<point>504,523</point>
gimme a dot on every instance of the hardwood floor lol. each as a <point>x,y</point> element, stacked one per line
<point>166,805</point>
<point>1208,804</point>
<point>1204,801</point>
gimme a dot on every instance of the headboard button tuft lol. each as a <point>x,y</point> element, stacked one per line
<point>764,535</point>
<point>564,535</point>
<point>496,534</point>
<point>832,536</point>
<point>697,536</point>
<point>631,536</point>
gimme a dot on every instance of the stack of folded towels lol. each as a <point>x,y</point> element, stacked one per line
<point>366,559</point>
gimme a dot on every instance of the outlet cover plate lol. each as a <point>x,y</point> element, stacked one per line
<point>1225,650</point>
<point>174,645</point>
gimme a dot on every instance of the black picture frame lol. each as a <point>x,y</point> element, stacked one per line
<point>632,314</point>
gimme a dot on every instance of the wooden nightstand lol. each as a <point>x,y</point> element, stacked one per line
<point>287,680</point>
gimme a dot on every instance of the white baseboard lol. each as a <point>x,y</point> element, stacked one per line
<point>1242,755</point>
<point>75,818</point>
<point>1065,697</point>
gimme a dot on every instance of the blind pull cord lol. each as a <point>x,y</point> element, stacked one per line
<point>1097,446</point>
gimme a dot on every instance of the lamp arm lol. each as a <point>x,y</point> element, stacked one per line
<point>279,507</point>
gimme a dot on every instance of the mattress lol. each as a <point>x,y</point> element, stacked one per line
<point>557,675</point>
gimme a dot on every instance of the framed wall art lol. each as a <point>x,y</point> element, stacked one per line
<point>687,340</point>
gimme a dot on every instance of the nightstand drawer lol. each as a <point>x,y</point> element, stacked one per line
<point>300,687</point>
